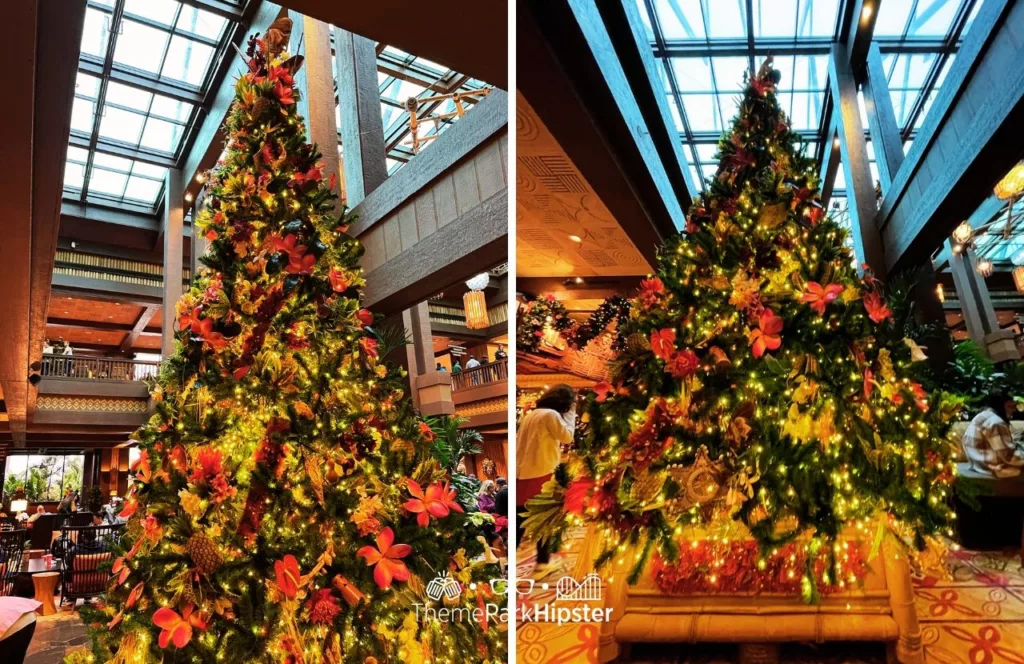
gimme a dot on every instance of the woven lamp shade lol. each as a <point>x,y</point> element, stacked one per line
<point>476,310</point>
<point>1018,278</point>
<point>1012,185</point>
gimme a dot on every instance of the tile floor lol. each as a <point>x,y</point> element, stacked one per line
<point>56,636</point>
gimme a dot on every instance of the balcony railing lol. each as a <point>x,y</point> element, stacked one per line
<point>494,372</point>
<point>97,368</point>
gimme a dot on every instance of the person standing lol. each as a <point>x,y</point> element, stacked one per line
<point>485,499</point>
<point>539,441</point>
<point>65,504</point>
<point>68,359</point>
<point>500,354</point>
<point>456,368</point>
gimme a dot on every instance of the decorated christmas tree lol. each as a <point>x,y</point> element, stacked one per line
<point>764,409</point>
<point>287,504</point>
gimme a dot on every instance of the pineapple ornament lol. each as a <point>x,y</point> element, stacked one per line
<point>204,554</point>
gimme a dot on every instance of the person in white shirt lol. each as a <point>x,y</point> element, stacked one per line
<point>539,441</point>
<point>40,510</point>
<point>473,363</point>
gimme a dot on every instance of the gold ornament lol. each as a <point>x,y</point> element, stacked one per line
<point>277,36</point>
<point>647,486</point>
<point>348,591</point>
<point>203,552</point>
<point>637,343</point>
<point>700,483</point>
<point>259,107</point>
<point>773,215</point>
<point>314,464</point>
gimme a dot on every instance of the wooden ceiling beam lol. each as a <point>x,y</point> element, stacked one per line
<point>104,326</point>
<point>139,328</point>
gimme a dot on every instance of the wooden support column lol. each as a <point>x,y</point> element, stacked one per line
<point>885,134</point>
<point>860,191</point>
<point>432,389</point>
<point>365,164</point>
<point>976,305</point>
<point>174,236</point>
<point>315,80</point>
<point>829,165</point>
<point>362,131</point>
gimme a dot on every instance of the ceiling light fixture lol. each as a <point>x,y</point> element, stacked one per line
<point>962,233</point>
<point>865,13</point>
<point>576,238</point>
<point>188,197</point>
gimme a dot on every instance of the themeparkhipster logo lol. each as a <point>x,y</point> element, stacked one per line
<point>569,590</point>
<point>449,592</point>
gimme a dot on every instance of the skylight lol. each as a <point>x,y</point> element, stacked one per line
<point>704,47</point>
<point>144,69</point>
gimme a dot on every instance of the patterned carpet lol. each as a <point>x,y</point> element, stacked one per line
<point>976,617</point>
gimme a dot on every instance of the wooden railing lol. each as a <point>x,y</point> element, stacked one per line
<point>494,372</point>
<point>97,368</point>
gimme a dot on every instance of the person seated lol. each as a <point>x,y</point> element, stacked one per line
<point>40,510</point>
<point>988,441</point>
<point>87,543</point>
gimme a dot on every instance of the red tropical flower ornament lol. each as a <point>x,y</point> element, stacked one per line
<point>602,389</point>
<point>288,575</point>
<point>876,307</point>
<point>819,296</point>
<point>437,501</point>
<point>339,283</point>
<point>767,335</point>
<point>663,343</point>
<point>177,629</point>
<point>386,559</point>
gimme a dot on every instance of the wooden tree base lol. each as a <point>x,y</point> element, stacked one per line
<point>880,610</point>
<point>759,653</point>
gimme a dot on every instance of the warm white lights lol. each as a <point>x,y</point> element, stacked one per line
<point>985,268</point>
<point>962,233</point>
<point>576,238</point>
<point>865,14</point>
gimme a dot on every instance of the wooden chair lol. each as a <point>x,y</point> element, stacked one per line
<point>12,548</point>
<point>82,577</point>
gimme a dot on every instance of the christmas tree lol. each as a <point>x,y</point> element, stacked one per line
<point>764,407</point>
<point>287,505</point>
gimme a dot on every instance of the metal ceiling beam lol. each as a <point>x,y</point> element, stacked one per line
<point>94,67</point>
<point>474,39</point>
<point>969,140</point>
<point>228,10</point>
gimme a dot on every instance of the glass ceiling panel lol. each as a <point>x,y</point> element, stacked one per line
<point>167,50</point>
<point>704,50</point>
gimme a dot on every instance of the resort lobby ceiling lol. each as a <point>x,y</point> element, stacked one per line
<point>563,226</point>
